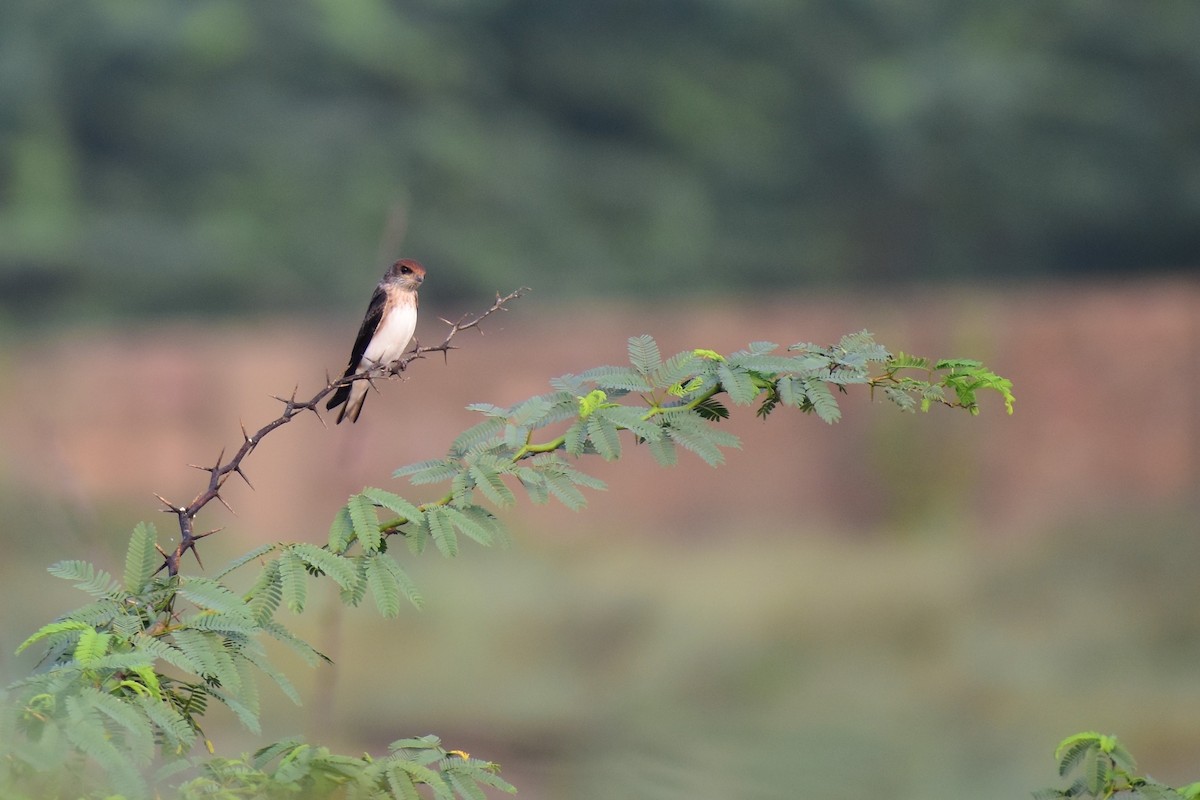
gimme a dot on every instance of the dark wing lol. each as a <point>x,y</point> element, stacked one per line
<point>369,325</point>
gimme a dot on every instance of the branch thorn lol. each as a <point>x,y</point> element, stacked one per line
<point>238,470</point>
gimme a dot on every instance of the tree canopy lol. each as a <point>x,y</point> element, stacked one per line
<point>158,153</point>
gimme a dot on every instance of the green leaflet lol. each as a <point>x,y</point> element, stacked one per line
<point>602,433</point>
<point>267,593</point>
<point>366,524</point>
<point>387,582</point>
<point>141,559</point>
<point>91,646</point>
<point>442,530</point>
<point>341,530</point>
<point>67,626</point>
<point>431,471</point>
<point>617,379</point>
<point>822,400</point>
<point>473,522</point>
<point>293,579</point>
<point>210,594</point>
<point>342,570</point>
<point>644,354</point>
<point>254,555</point>
<point>488,481</point>
<point>86,577</point>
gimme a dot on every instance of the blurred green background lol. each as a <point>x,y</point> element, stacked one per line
<point>196,198</point>
<point>224,157</point>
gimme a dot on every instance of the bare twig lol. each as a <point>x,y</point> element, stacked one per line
<point>222,469</point>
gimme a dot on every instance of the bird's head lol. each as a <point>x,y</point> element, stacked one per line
<point>407,273</point>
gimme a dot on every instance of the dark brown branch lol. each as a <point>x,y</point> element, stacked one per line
<point>219,472</point>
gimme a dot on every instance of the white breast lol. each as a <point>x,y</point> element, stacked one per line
<point>392,335</point>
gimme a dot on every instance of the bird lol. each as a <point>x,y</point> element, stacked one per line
<point>386,330</point>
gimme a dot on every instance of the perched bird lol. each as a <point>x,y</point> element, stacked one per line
<point>386,330</point>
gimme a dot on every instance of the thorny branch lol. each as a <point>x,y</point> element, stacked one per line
<point>222,469</point>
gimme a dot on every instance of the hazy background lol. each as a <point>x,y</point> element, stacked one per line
<point>196,199</point>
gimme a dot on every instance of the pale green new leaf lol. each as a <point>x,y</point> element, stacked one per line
<point>141,559</point>
<point>903,360</point>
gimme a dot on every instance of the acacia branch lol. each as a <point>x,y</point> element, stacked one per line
<point>220,471</point>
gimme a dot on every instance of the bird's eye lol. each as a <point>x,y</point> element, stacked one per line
<point>406,270</point>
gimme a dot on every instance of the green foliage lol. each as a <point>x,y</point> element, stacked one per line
<point>1099,766</point>
<point>677,402</point>
<point>128,678</point>
<point>293,768</point>
<point>106,705</point>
